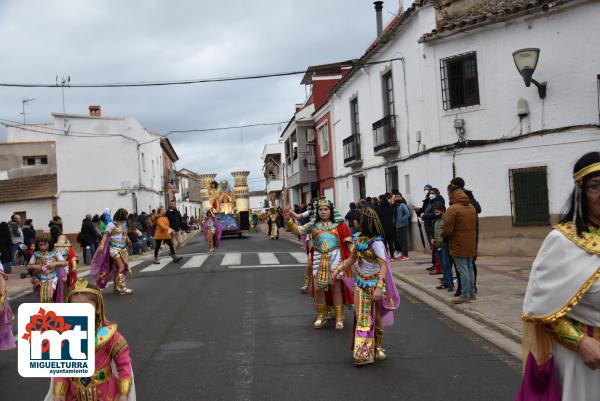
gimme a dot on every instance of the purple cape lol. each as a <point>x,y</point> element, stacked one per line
<point>218,230</point>
<point>391,300</point>
<point>100,266</point>
<point>7,340</point>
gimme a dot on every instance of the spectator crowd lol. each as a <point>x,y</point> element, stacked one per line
<point>18,237</point>
<point>449,232</point>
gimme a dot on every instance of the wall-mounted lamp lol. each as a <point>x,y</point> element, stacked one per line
<point>459,127</point>
<point>526,60</point>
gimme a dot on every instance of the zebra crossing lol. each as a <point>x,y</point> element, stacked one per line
<point>230,260</point>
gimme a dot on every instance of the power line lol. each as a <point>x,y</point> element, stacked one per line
<point>58,84</point>
<point>42,129</point>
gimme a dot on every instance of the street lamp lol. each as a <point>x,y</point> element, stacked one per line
<point>526,60</point>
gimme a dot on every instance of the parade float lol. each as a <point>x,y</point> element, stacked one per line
<point>231,206</point>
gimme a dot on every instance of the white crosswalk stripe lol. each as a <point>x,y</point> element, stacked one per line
<point>195,261</point>
<point>267,258</point>
<point>135,263</point>
<point>299,256</point>
<point>231,259</point>
<point>157,267</point>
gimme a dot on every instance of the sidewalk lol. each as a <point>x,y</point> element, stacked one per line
<point>501,284</point>
<point>18,287</point>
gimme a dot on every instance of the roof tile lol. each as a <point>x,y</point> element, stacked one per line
<point>28,188</point>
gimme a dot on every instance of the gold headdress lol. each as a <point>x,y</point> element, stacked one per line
<point>336,217</point>
<point>82,286</point>
<point>369,217</point>
<point>43,236</point>
<point>580,175</point>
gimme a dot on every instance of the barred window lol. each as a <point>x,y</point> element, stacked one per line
<point>460,84</point>
<point>529,196</point>
<point>391,178</point>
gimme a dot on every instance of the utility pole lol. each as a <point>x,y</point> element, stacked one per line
<point>23,104</point>
<point>64,81</point>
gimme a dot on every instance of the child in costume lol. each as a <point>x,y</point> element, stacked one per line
<point>49,270</point>
<point>331,243</point>
<point>375,294</point>
<point>273,229</point>
<point>212,230</point>
<point>113,377</point>
<point>63,245</point>
<point>111,260</point>
<point>7,340</point>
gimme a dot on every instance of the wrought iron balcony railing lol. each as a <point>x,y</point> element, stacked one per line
<point>351,147</point>
<point>385,139</point>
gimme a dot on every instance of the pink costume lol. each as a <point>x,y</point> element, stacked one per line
<point>7,340</point>
<point>113,376</point>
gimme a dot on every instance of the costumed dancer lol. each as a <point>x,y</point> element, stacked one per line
<point>561,309</point>
<point>375,293</point>
<point>331,242</point>
<point>48,269</point>
<point>272,217</point>
<point>212,230</point>
<point>111,260</point>
<point>7,341</point>
<point>113,377</point>
<point>63,245</point>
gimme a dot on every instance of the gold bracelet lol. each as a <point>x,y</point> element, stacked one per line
<point>566,332</point>
<point>60,388</point>
<point>125,386</point>
<point>380,284</point>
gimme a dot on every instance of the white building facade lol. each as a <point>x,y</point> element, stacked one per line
<point>101,162</point>
<point>436,96</point>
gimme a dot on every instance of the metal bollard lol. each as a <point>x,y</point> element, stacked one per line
<point>87,255</point>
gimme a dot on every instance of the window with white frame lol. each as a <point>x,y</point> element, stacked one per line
<point>324,139</point>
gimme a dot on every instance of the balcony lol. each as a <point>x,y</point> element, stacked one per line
<point>385,139</point>
<point>352,155</point>
<point>274,184</point>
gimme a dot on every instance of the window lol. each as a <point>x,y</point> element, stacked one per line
<point>35,160</point>
<point>529,196</point>
<point>354,116</point>
<point>324,139</point>
<point>460,85</point>
<point>388,94</point>
<point>407,184</point>
<point>144,163</point>
<point>362,187</point>
<point>391,178</point>
<point>310,162</point>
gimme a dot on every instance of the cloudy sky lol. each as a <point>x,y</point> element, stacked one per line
<point>120,41</point>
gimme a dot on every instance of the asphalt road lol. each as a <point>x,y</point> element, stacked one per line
<point>242,331</point>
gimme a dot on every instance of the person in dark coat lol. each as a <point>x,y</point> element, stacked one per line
<point>29,233</point>
<point>175,219</point>
<point>55,228</point>
<point>89,234</point>
<point>427,213</point>
<point>385,211</point>
<point>5,246</point>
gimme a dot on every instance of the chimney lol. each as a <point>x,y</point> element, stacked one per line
<point>95,111</point>
<point>378,8</point>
